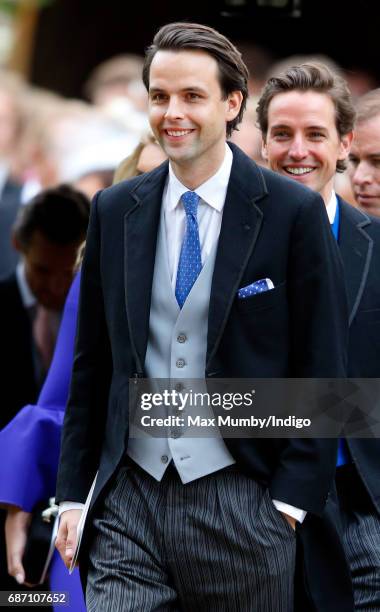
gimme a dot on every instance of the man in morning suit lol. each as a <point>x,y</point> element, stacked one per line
<point>180,524</point>
<point>47,233</point>
<point>307,118</point>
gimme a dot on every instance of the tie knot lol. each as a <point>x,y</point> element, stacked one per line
<point>190,201</point>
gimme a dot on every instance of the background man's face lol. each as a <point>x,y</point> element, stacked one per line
<point>187,113</point>
<point>364,166</point>
<point>8,124</point>
<point>302,141</point>
<point>49,270</point>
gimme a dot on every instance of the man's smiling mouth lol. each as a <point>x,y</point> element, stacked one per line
<point>177,133</point>
<point>298,170</point>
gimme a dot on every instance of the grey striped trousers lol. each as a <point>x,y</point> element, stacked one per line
<point>217,543</point>
<point>361,537</point>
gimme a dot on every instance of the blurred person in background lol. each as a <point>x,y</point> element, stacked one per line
<point>364,166</point>
<point>307,117</point>
<point>72,142</point>
<point>112,78</point>
<point>47,233</point>
<point>147,155</point>
<point>29,445</point>
<point>116,87</point>
<point>11,129</point>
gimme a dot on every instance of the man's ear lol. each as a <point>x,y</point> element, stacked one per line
<point>264,151</point>
<point>345,145</point>
<point>234,101</point>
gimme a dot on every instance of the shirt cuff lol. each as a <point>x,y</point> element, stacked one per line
<point>294,512</point>
<point>67,505</point>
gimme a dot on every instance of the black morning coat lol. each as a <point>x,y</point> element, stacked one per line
<point>272,228</point>
<point>359,244</point>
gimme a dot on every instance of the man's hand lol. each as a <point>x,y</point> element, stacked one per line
<point>292,521</point>
<point>67,535</point>
<point>16,531</point>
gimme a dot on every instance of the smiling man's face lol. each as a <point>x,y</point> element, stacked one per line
<point>188,112</point>
<point>302,141</point>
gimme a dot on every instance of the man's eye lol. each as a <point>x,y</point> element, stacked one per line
<point>316,135</point>
<point>280,135</point>
<point>157,97</point>
<point>353,160</point>
<point>193,96</point>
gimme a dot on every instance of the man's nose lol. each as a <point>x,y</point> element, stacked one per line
<point>298,149</point>
<point>174,109</point>
<point>362,174</point>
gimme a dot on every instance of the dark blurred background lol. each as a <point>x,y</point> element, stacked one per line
<point>60,41</point>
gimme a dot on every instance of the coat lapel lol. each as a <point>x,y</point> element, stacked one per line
<point>241,225</point>
<point>356,249</point>
<point>140,238</point>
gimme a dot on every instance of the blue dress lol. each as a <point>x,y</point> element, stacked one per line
<point>30,444</point>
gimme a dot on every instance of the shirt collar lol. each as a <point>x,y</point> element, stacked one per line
<point>27,297</point>
<point>213,191</point>
<point>331,207</point>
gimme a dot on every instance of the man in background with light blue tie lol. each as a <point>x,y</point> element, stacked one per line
<point>195,271</point>
<point>307,118</point>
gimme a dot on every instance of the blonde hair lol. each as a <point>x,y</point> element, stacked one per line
<point>128,167</point>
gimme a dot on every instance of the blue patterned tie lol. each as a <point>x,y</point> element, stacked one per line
<point>190,262</point>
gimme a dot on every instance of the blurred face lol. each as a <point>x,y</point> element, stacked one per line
<point>8,124</point>
<point>364,166</point>
<point>187,112</point>
<point>302,140</point>
<point>151,156</point>
<point>49,270</point>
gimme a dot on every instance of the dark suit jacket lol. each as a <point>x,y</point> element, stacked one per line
<point>18,379</point>
<point>359,243</point>
<point>272,227</point>
<point>10,202</point>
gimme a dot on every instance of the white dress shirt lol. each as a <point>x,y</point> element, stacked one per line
<point>210,211</point>
<point>27,297</point>
<point>331,207</point>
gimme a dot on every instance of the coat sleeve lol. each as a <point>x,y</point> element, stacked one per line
<point>318,349</point>
<point>86,411</point>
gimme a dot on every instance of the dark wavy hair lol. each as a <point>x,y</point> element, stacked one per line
<point>317,77</point>
<point>61,214</point>
<point>233,73</point>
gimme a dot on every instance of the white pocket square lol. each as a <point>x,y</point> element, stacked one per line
<point>259,286</point>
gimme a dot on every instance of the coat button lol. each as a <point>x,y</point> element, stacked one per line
<point>180,363</point>
<point>164,458</point>
<point>181,338</point>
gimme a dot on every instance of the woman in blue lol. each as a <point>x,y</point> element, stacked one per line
<point>29,452</point>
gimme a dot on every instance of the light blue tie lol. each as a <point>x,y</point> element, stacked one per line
<point>190,261</point>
